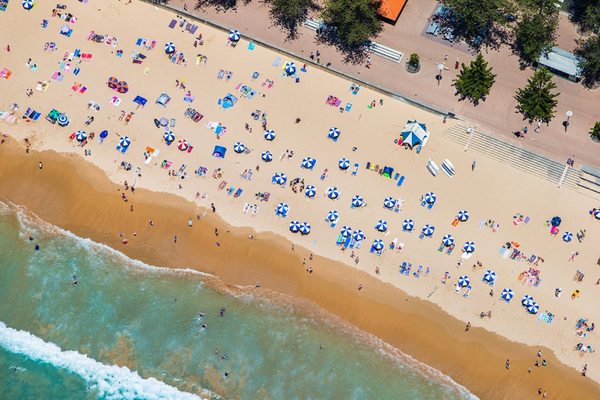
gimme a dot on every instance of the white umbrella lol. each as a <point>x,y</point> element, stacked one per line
<point>469,247</point>
<point>378,244</point>
<point>344,163</point>
<point>346,231</point>
<point>463,215</point>
<point>124,141</point>
<point>381,226</point>
<point>357,201</point>
<point>234,35</point>
<point>408,224</point>
<point>238,147</point>
<point>463,281</point>
<point>80,136</point>
<point>267,156</point>
<point>332,193</point>
<point>428,230</point>
<point>305,228</point>
<point>332,215</point>
<point>270,135</point>
<point>310,191</point>
<point>389,202</point>
<point>448,240</point>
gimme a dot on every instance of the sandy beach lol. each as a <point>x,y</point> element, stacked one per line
<point>82,193</point>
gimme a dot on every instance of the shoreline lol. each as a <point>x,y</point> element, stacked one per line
<point>89,208</point>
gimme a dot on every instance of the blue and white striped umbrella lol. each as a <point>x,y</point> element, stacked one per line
<point>280,178</point>
<point>448,240</point>
<point>305,228</point>
<point>597,214</point>
<point>270,134</point>
<point>463,215</point>
<point>507,295</point>
<point>283,208</point>
<point>267,156</point>
<point>294,226</point>
<point>27,4</point>
<point>381,225</point>
<point>378,244</point>
<point>80,136</point>
<point>358,235</point>
<point>469,247</point>
<point>430,197</point>
<point>463,281</point>
<point>169,47</point>
<point>527,300</point>
<point>389,202</point>
<point>124,141</point>
<point>332,192</point>
<point>234,35</point>
<point>357,201</point>
<point>344,163</point>
<point>308,163</point>
<point>332,215</point>
<point>428,230</point>
<point>310,191</point>
<point>169,136</point>
<point>408,224</point>
<point>346,231</point>
<point>290,68</point>
<point>489,276</point>
<point>62,120</point>
<point>534,308</point>
<point>334,133</point>
<point>238,147</point>
<point>568,236</point>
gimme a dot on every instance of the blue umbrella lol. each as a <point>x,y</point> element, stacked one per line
<point>332,193</point>
<point>270,135</point>
<point>294,226</point>
<point>124,141</point>
<point>103,134</point>
<point>533,309</point>
<point>27,4</point>
<point>283,208</point>
<point>169,136</point>
<point>430,197</point>
<point>389,202</point>
<point>357,201</point>
<point>489,276</point>
<point>555,221</point>
<point>290,68</point>
<point>332,215</point>
<point>408,224</point>
<point>448,240</point>
<point>169,48</point>
<point>308,163</point>
<point>463,281</point>
<point>234,35</point>
<point>344,163</point>
<point>378,244</point>
<point>62,120</point>
<point>80,136</point>
<point>597,214</point>
<point>238,147</point>
<point>469,247</point>
<point>267,156</point>
<point>305,228</point>
<point>280,178</point>
<point>568,236</point>
<point>346,231</point>
<point>463,215</point>
<point>381,226</point>
<point>507,295</point>
<point>428,230</point>
<point>358,235</point>
<point>334,133</point>
<point>310,191</point>
<point>527,300</point>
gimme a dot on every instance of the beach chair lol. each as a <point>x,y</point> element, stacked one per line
<point>277,62</point>
<point>400,181</point>
<point>456,289</point>
<point>403,267</point>
<point>372,250</point>
<point>418,272</point>
<point>347,241</point>
<point>352,243</point>
<point>334,223</point>
<point>358,244</point>
<point>441,248</point>
<point>355,169</point>
<point>450,249</point>
<point>408,269</point>
<point>468,291</point>
<point>238,192</point>
<point>430,206</point>
<point>348,107</point>
<point>421,236</point>
<point>340,239</point>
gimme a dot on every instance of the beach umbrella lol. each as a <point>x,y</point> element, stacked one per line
<point>112,82</point>
<point>334,133</point>
<point>290,68</point>
<point>267,156</point>
<point>103,134</point>
<point>555,221</point>
<point>65,29</point>
<point>389,202</point>
<point>378,244</point>
<point>568,236</point>
<point>182,144</point>
<point>469,247</point>
<point>124,141</point>
<point>357,201</point>
<point>527,300</point>
<point>122,87</point>
<point>169,136</point>
<point>294,226</point>
<point>27,4</point>
<point>489,276</point>
<point>507,295</point>
<point>62,120</point>
<point>381,226</point>
<point>283,208</point>
<point>164,121</point>
<point>533,308</point>
<point>463,215</point>
<point>305,228</point>
<point>430,197</point>
<point>308,163</point>
<point>279,178</point>
<point>408,224</point>
<point>358,235</point>
<point>463,281</point>
<point>344,163</point>
<point>597,214</point>
<point>80,136</point>
<point>448,240</point>
<point>332,193</point>
<point>234,35</point>
<point>332,215</point>
<point>310,191</point>
<point>428,230</point>
<point>346,231</point>
<point>270,135</point>
<point>238,147</point>
<point>170,48</point>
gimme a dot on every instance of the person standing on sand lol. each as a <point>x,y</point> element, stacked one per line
<point>216,232</point>
<point>175,240</point>
<point>507,363</point>
<point>190,223</point>
<point>468,326</point>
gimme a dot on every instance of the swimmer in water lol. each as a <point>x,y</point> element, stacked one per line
<point>226,375</point>
<point>203,325</point>
<point>74,280</point>
<point>37,246</point>
<point>30,238</point>
<point>201,314</point>
<point>216,351</point>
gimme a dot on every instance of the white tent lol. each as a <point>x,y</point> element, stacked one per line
<point>413,133</point>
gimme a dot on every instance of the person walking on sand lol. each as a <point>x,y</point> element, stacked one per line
<point>468,326</point>
<point>507,363</point>
<point>573,255</point>
<point>41,165</point>
<point>190,223</point>
<point>175,240</point>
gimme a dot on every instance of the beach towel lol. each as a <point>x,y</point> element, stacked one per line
<point>251,94</point>
<point>139,42</point>
<point>251,46</point>
<point>277,62</point>
<point>348,106</point>
<point>172,24</point>
<point>193,29</point>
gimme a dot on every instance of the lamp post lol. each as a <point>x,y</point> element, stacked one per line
<point>569,114</point>
<point>439,77</point>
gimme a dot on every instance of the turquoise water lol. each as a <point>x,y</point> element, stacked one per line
<point>127,330</point>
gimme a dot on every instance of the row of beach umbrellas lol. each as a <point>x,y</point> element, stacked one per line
<point>303,228</point>
<point>119,86</point>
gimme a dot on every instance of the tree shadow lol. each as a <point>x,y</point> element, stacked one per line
<point>218,5</point>
<point>353,55</point>
<point>291,24</point>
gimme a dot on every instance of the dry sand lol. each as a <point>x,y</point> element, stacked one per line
<point>494,191</point>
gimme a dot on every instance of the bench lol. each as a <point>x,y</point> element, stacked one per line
<point>385,52</point>
<point>312,24</point>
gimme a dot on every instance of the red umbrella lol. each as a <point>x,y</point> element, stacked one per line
<point>113,82</point>
<point>182,144</point>
<point>122,87</point>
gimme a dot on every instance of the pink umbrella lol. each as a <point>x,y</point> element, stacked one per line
<point>182,144</point>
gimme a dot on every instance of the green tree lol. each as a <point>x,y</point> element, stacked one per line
<point>589,50</point>
<point>414,60</point>
<point>474,17</point>
<point>536,31</point>
<point>475,81</point>
<point>353,21</point>
<point>595,133</point>
<point>536,101</point>
<point>289,13</point>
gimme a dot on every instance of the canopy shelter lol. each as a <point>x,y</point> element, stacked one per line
<point>163,99</point>
<point>80,136</point>
<point>527,300</point>
<point>357,201</point>
<point>430,197</point>
<point>304,228</point>
<point>489,277</point>
<point>563,63</point>
<point>469,247</point>
<point>229,101</point>
<point>555,221</point>
<point>308,163</point>
<point>124,141</point>
<point>140,100</point>
<point>290,68</point>
<point>183,145</point>
<point>533,308</point>
<point>568,236</point>
<point>63,120</point>
<point>413,133</point>
<point>279,178</point>
<point>103,134</point>
<point>597,213</point>
<point>122,87</point>
<point>378,244</point>
<point>388,171</point>
<point>334,133</point>
<point>27,4</point>
<point>283,208</point>
<point>219,152</point>
<point>169,136</point>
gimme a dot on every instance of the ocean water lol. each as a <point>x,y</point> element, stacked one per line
<point>128,330</point>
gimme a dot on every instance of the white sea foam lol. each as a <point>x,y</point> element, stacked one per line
<point>110,381</point>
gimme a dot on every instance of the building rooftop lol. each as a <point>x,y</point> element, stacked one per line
<point>390,9</point>
<point>561,60</point>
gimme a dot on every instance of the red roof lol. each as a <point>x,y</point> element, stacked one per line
<point>390,9</point>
